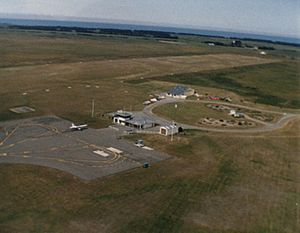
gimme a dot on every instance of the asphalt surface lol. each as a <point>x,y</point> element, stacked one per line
<point>266,127</point>
<point>47,141</point>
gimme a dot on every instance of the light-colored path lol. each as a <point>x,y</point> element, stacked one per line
<point>284,120</point>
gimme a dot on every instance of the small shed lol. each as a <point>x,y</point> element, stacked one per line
<point>236,43</point>
<point>168,130</point>
<point>236,114</point>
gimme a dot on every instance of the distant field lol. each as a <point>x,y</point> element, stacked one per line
<point>273,84</point>
<point>31,48</point>
<point>72,86</point>
<point>19,48</point>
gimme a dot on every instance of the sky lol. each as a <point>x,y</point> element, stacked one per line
<point>272,17</point>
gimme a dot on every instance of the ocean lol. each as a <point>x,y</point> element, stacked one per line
<point>29,22</point>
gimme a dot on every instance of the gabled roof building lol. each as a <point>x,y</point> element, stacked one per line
<point>180,92</point>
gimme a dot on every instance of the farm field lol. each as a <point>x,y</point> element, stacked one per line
<point>66,88</point>
<point>213,183</point>
<point>48,47</point>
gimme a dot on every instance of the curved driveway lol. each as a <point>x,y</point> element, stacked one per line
<point>287,117</point>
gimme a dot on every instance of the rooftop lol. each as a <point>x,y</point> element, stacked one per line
<point>123,114</point>
<point>178,90</point>
<point>169,127</point>
<point>140,121</point>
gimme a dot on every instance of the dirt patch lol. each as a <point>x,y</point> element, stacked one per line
<point>226,123</point>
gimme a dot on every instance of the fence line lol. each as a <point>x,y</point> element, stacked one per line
<point>146,132</point>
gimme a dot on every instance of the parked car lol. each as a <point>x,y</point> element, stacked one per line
<point>139,143</point>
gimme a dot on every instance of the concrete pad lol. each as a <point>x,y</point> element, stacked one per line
<point>23,109</point>
<point>102,153</point>
<point>147,148</point>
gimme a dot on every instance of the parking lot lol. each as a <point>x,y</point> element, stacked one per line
<point>47,141</point>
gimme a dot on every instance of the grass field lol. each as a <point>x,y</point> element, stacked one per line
<point>19,48</point>
<point>215,182</point>
<point>274,84</point>
<point>189,113</point>
<point>74,83</point>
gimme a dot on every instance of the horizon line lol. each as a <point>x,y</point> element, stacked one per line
<point>139,23</point>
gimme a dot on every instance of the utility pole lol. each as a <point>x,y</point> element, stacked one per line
<point>172,132</point>
<point>173,124</point>
<point>93,108</point>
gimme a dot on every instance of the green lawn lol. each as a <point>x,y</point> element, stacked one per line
<point>189,113</point>
<point>274,84</point>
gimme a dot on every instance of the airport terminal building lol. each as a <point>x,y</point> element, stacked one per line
<point>129,119</point>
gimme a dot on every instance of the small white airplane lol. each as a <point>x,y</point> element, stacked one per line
<point>78,127</point>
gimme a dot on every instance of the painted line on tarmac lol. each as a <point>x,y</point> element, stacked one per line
<point>8,136</point>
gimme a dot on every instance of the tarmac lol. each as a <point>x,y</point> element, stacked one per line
<point>47,141</point>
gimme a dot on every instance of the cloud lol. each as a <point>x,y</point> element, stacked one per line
<point>41,7</point>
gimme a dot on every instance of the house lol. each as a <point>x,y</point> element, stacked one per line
<point>236,43</point>
<point>180,92</point>
<point>236,114</point>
